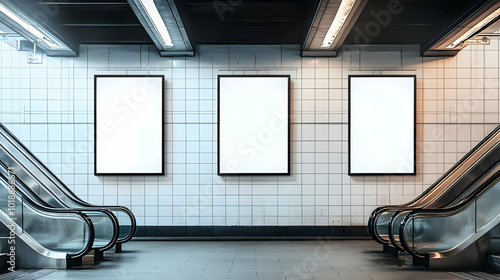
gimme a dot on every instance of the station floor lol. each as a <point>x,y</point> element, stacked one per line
<point>263,260</point>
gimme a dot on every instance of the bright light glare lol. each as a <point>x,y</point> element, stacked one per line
<point>474,29</point>
<point>28,27</point>
<point>155,17</point>
<point>339,20</point>
<point>50,44</point>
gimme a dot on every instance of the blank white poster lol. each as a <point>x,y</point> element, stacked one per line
<point>253,125</point>
<point>128,125</point>
<point>381,125</point>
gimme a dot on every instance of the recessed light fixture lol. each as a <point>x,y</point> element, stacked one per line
<point>337,23</point>
<point>474,29</point>
<point>28,27</point>
<point>157,21</point>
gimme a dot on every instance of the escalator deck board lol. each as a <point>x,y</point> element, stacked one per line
<point>25,274</point>
<point>477,275</point>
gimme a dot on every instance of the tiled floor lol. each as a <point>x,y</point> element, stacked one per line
<point>263,260</point>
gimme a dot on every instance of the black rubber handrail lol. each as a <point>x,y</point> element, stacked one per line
<point>90,244</point>
<point>69,194</point>
<point>444,212</point>
<point>391,233</point>
<point>116,228</point>
<point>26,199</point>
<point>376,213</point>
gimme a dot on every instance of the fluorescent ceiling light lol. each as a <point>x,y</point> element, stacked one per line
<point>474,29</point>
<point>155,17</point>
<point>28,27</point>
<point>337,23</point>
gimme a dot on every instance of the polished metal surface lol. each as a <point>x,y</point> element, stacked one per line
<point>41,181</point>
<point>437,235</point>
<point>453,187</point>
<point>41,238</point>
<point>469,229</point>
<point>106,224</point>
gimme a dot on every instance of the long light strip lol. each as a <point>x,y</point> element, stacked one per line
<point>28,27</point>
<point>155,17</point>
<point>337,23</point>
<point>474,29</point>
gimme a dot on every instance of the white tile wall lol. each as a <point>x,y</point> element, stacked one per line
<point>50,108</point>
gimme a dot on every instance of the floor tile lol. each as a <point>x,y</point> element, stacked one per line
<point>249,260</point>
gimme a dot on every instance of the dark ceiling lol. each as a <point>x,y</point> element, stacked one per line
<point>249,21</point>
<point>418,22</point>
<point>89,21</point>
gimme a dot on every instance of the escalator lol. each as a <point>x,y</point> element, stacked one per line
<point>458,182</point>
<point>42,182</point>
<point>105,224</point>
<point>476,186</point>
<point>35,236</point>
<point>461,236</point>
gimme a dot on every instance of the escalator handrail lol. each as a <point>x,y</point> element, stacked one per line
<point>391,233</point>
<point>120,208</point>
<point>116,229</point>
<point>445,212</point>
<point>375,213</point>
<point>62,187</point>
<point>372,221</point>
<point>89,245</point>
